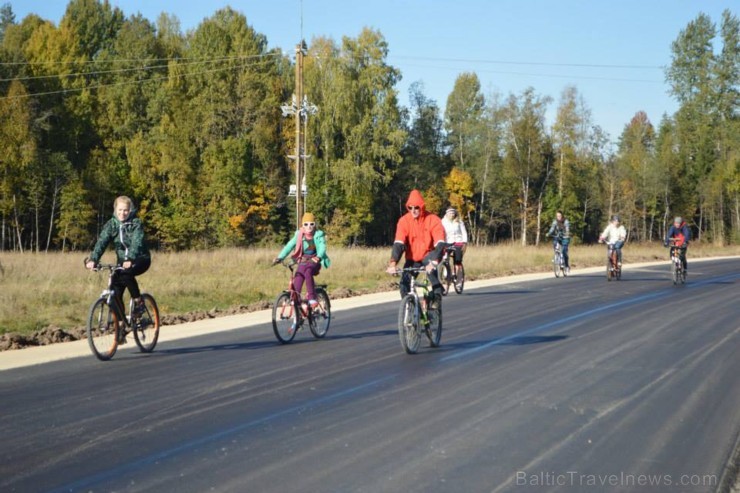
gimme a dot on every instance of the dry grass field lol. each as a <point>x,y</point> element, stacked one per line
<point>42,290</point>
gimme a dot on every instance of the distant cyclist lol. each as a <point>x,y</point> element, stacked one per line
<point>615,234</point>
<point>420,237</point>
<point>681,234</point>
<point>456,234</point>
<point>560,233</point>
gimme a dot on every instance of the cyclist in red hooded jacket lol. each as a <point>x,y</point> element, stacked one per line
<point>420,236</point>
<point>681,234</point>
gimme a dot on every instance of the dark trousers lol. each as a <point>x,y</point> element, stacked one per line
<point>405,283</point>
<point>126,279</point>
<point>457,252</point>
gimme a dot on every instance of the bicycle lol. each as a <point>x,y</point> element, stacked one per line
<point>558,260</point>
<point>419,313</point>
<point>613,269</point>
<point>677,270</point>
<point>449,275</point>
<point>108,324</point>
<point>290,311</point>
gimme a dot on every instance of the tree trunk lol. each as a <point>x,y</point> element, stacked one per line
<point>17,225</point>
<point>524,207</point>
<point>539,221</point>
<point>560,178</point>
<point>51,218</point>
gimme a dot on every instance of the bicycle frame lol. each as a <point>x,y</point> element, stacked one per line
<point>412,291</point>
<point>295,297</point>
<point>614,269</point>
<point>110,296</point>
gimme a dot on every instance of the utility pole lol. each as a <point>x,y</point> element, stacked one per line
<point>299,151</point>
<point>300,108</point>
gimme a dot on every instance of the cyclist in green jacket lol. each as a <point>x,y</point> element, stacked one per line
<point>126,233</point>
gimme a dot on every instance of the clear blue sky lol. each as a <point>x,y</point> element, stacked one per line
<point>510,44</point>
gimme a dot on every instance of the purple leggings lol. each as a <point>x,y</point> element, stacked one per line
<point>306,271</point>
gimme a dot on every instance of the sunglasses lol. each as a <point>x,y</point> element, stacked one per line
<point>309,224</point>
<point>413,207</point>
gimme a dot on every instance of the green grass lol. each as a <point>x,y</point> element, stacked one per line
<point>40,290</point>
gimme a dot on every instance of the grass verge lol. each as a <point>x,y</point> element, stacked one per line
<point>38,291</point>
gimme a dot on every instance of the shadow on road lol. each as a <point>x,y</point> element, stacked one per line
<point>225,347</point>
<point>488,293</point>
<point>501,341</point>
<point>361,335</point>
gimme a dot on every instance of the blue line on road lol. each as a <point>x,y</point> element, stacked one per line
<point>135,465</point>
<point>587,313</point>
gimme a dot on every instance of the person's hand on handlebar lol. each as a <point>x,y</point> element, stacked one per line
<point>90,265</point>
<point>276,260</point>
<point>392,270</point>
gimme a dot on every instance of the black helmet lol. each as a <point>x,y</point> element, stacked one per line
<point>615,218</point>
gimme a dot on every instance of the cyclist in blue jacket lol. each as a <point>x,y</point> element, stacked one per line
<point>680,233</point>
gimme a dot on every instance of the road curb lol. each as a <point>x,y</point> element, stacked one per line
<point>18,358</point>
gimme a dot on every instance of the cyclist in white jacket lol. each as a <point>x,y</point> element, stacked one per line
<point>614,234</point>
<point>456,233</point>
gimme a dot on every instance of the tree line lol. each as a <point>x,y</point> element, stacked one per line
<point>189,125</point>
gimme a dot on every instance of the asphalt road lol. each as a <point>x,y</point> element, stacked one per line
<point>556,385</point>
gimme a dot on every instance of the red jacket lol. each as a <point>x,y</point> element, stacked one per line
<point>419,235</point>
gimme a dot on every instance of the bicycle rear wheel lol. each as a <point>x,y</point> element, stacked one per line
<point>146,325</point>
<point>284,318</point>
<point>321,316</point>
<point>408,325</point>
<point>460,280</point>
<point>434,323</point>
<point>445,276</point>
<point>102,330</point>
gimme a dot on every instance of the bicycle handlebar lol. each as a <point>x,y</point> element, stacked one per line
<point>98,267</point>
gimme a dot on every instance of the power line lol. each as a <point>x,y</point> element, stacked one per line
<point>127,60</point>
<point>511,62</point>
<point>140,81</point>
<point>132,69</point>
<point>559,76</point>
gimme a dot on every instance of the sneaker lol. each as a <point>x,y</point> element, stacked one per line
<point>122,336</point>
<point>567,270</point>
<point>139,309</point>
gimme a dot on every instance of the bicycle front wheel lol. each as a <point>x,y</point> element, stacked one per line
<point>321,316</point>
<point>146,325</point>
<point>460,280</point>
<point>102,330</point>
<point>556,265</point>
<point>445,276</point>
<point>408,325</point>
<point>434,322</point>
<point>284,318</point>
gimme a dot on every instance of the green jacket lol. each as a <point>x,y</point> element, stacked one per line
<point>319,240</point>
<point>127,238</point>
